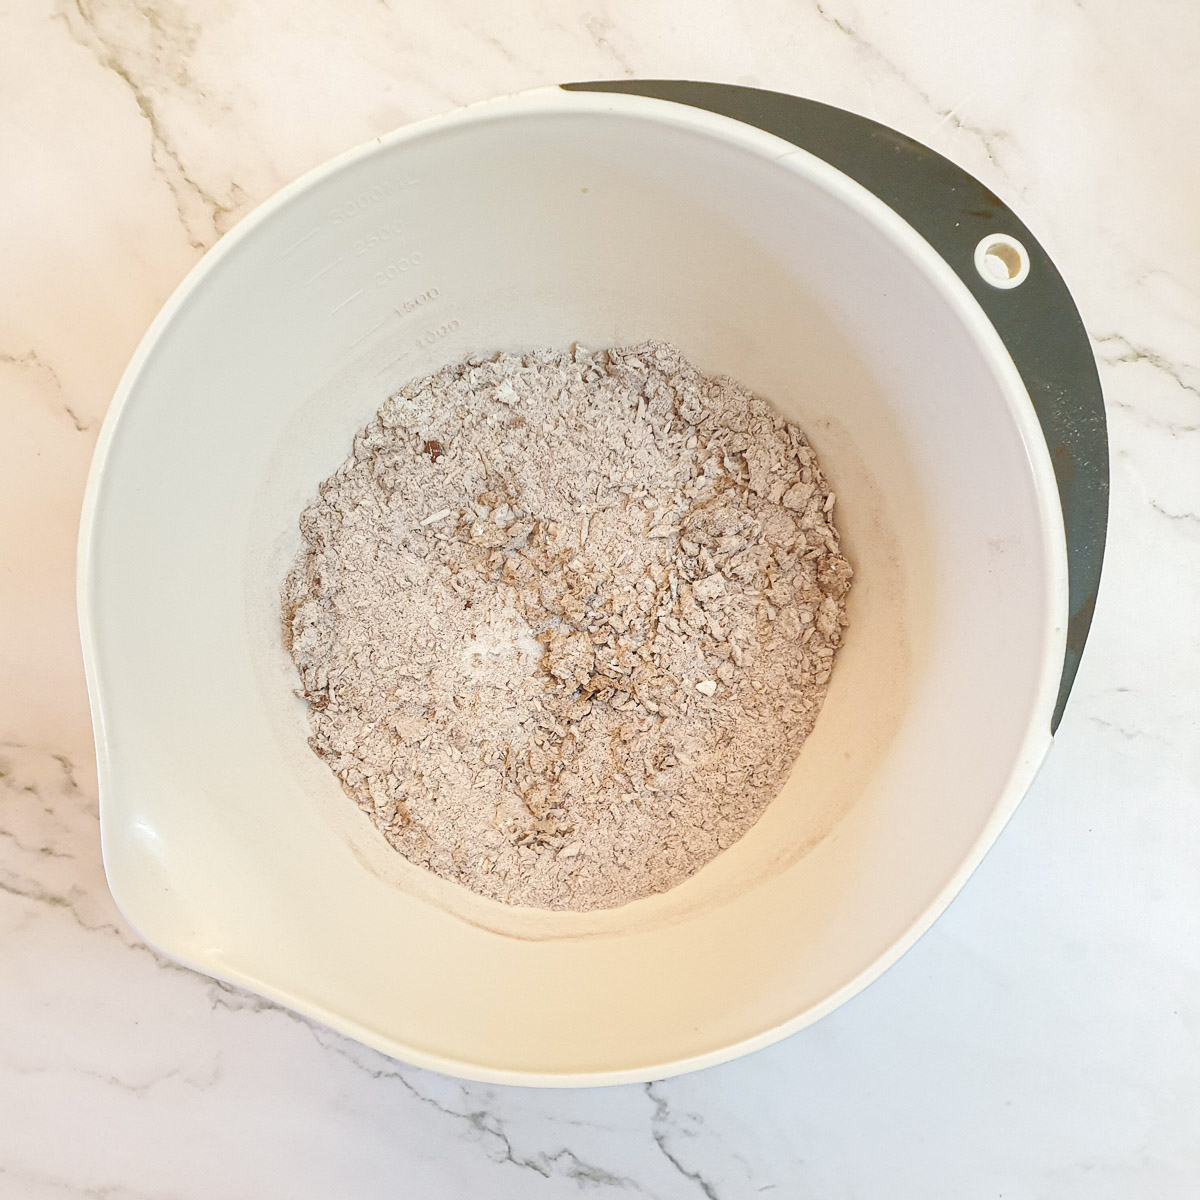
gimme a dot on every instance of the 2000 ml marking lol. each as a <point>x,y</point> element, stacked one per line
<point>395,270</point>
<point>371,196</point>
<point>382,234</point>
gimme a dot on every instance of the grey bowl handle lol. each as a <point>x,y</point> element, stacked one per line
<point>1037,321</point>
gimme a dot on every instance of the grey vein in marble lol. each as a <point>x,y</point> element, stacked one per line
<point>1114,349</point>
<point>990,140</point>
<point>32,361</point>
<point>661,1127</point>
<point>83,21</point>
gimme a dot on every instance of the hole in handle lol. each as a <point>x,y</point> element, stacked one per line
<point>1002,260</point>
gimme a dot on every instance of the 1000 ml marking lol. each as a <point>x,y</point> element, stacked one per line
<point>395,269</point>
<point>382,234</point>
<point>430,336</point>
<point>369,197</point>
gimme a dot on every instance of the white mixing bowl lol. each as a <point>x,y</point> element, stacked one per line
<point>605,218</point>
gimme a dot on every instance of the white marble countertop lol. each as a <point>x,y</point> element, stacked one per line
<point>1043,1041</point>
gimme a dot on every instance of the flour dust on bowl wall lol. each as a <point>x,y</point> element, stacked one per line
<point>554,226</point>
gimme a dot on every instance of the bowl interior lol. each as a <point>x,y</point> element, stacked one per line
<point>541,221</point>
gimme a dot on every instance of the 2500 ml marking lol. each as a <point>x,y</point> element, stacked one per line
<point>382,234</point>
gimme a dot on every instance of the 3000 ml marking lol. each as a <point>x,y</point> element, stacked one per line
<point>369,197</point>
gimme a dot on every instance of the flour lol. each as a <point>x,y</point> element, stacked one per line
<point>564,620</point>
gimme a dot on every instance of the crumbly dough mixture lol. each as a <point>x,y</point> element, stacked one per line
<point>564,620</point>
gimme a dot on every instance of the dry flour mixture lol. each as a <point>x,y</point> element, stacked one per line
<point>563,620</point>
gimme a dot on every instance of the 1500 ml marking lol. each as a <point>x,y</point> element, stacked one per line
<point>421,300</point>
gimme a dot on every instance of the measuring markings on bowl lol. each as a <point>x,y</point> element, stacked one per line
<point>300,241</point>
<point>413,303</point>
<point>401,312</point>
<point>382,234</point>
<point>362,337</point>
<point>394,270</point>
<point>339,307</point>
<point>367,199</point>
<point>327,267</point>
<point>429,337</point>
